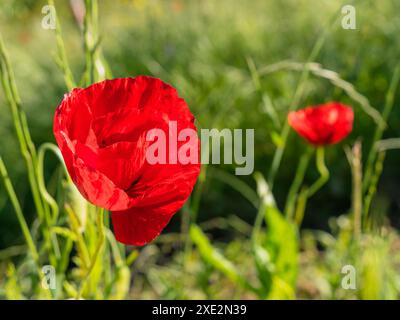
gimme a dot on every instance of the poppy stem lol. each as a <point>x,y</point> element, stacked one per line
<point>297,182</point>
<point>323,171</point>
<point>307,193</point>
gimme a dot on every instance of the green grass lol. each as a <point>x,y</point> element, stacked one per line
<point>238,65</point>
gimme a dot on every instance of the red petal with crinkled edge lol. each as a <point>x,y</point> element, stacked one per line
<point>101,133</point>
<point>145,221</point>
<point>323,124</point>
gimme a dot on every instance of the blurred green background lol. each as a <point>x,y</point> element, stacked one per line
<point>204,48</point>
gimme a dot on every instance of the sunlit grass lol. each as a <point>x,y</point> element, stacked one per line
<point>238,66</point>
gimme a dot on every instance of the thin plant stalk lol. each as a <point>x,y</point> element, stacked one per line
<point>20,125</point>
<point>301,207</point>
<point>297,182</point>
<point>18,211</point>
<point>193,211</point>
<point>61,59</point>
<point>307,193</point>
<point>354,158</point>
<point>51,218</point>
<point>323,171</point>
<point>357,189</point>
<point>96,68</point>
<point>27,147</point>
<point>380,128</point>
<point>89,43</point>
<point>237,184</point>
<point>266,200</point>
<point>195,201</point>
<point>80,242</point>
<point>373,187</point>
<point>263,96</point>
<point>99,246</point>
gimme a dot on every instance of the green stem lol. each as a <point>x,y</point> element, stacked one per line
<point>297,182</point>
<point>195,205</point>
<point>193,211</point>
<point>17,207</point>
<point>62,59</point>
<point>317,185</point>
<point>323,171</point>
<point>380,128</point>
<point>41,183</point>
<point>100,225</point>
<point>26,145</point>
<point>357,188</point>
<point>373,186</point>
<point>51,212</point>
<point>88,43</point>
<point>96,68</point>
<point>258,224</point>
<point>266,200</point>
<point>20,124</point>
<point>301,207</point>
<point>237,184</point>
<point>81,247</point>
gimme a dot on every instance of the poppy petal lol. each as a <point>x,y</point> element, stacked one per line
<point>323,124</point>
<point>138,226</point>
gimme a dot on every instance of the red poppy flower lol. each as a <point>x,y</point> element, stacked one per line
<point>323,124</point>
<point>101,131</point>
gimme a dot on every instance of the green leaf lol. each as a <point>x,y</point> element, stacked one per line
<point>265,268</point>
<point>281,290</point>
<point>281,241</point>
<point>276,253</point>
<point>214,258</point>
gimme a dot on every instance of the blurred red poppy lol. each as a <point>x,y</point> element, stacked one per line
<point>101,131</point>
<point>323,124</point>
